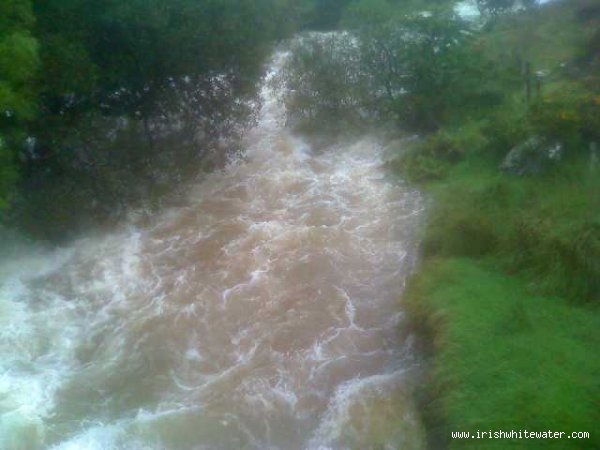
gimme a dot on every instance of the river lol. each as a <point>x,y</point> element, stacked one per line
<point>262,312</point>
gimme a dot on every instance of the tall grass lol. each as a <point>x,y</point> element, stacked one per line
<point>547,228</point>
<point>505,359</point>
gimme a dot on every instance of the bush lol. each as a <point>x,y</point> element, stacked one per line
<point>566,263</point>
<point>422,71</point>
<point>463,221</point>
<point>571,116</point>
<point>431,158</point>
<point>325,89</point>
<point>504,130</point>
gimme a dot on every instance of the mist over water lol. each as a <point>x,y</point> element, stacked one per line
<point>262,313</point>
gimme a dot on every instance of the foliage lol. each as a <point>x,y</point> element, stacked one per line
<point>418,65</point>
<point>137,46</point>
<point>494,7</point>
<point>181,74</point>
<point>431,158</point>
<point>419,70</point>
<point>325,14</point>
<point>507,127</point>
<point>18,66</point>
<point>324,85</point>
<point>106,166</point>
<point>8,174</point>
<point>571,115</point>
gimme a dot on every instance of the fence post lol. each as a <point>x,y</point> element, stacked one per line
<point>528,81</point>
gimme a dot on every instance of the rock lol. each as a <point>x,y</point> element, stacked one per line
<point>532,156</point>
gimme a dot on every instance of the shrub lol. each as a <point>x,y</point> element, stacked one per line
<point>563,263</point>
<point>430,159</point>
<point>571,116</point>
<point>324,86</point>
<point>504,130</point>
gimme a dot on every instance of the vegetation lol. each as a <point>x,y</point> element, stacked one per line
<point>506,359</point>
<point>19,63</point>
<point>104,102</point>
<point>417,70</point>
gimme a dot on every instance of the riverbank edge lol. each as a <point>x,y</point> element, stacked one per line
<point>505,386</point>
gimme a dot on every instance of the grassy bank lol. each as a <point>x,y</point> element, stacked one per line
<point>506,359</point>
<point>508,296</point>
<point>509,287</point>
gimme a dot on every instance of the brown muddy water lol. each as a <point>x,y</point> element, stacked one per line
<point>262,313</point>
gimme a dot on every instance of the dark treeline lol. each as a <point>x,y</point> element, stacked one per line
<point>108,104</point>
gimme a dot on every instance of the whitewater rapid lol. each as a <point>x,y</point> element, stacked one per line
<point>260,313</point>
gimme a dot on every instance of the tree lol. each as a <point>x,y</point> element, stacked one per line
<point>396,62</point>
<point>423,61</point>
<point>325,14</point>
<point>495,7</point>
<point>323,80</point>
<point>136,46</point>
<point>134,92</point>
<point>19,63</point>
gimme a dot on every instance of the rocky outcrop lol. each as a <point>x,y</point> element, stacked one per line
<point>532,156</point>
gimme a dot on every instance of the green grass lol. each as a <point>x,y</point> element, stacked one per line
<point>508,295</point>
<point>509,288</point>
<point>506,359</point>
<point>546,227</point>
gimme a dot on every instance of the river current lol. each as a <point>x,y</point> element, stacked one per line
<point>262,312</point>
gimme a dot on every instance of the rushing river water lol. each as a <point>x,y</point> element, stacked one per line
<point>262,313</point>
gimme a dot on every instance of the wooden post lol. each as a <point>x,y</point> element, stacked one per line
<point>528,81</point>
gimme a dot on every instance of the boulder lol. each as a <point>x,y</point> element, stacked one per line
<point>532,156</point>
